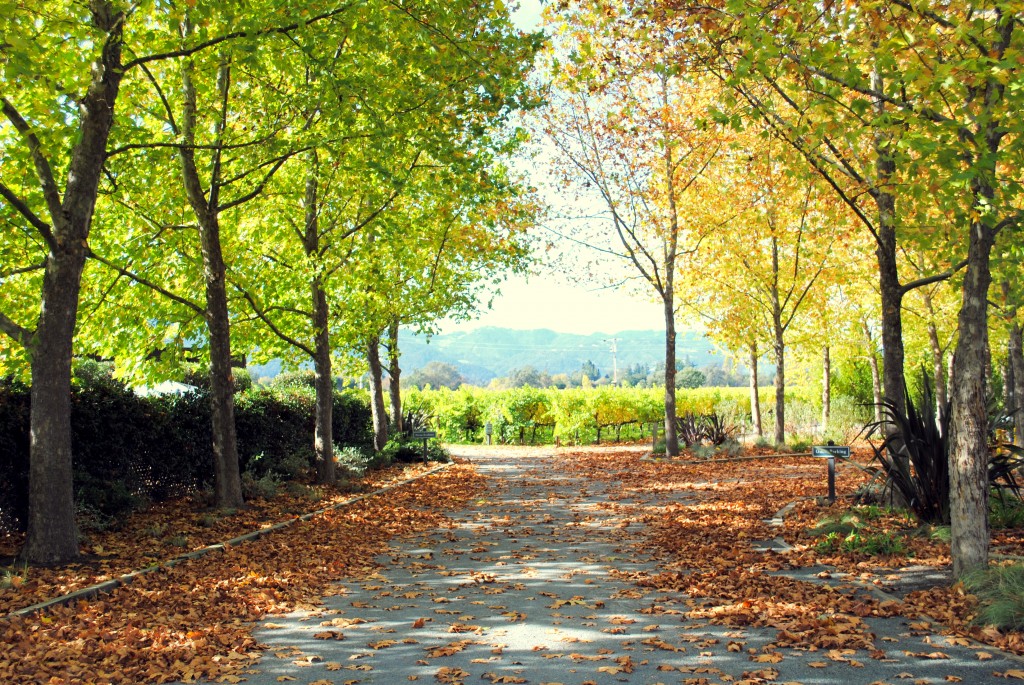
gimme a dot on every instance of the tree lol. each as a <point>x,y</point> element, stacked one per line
<point>59,116</point>
<point>930,93</point>
<point>628,135</point>
<point>436,375</point>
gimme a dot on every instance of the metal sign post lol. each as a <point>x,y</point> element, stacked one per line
<point>424,435</point>
<point>830,452</point>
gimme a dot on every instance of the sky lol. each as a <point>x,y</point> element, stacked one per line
<point>550,301</point>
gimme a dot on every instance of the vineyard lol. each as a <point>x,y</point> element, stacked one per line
<point>612,414</point>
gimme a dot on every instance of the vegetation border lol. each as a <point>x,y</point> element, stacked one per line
<point>109,586</point>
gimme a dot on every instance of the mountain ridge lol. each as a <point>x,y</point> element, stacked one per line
<point>489,352</point>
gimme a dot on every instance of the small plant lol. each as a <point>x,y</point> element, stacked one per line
<point>689,429</point>
<point>703,452</point>
<point>730,448</point>
<point>179,540</point>
<point>351,461</point>
<point>264,487</point>
<point>800,443</point>
<point>1001,592</point>
<point>914,455</point>
<point>1005,510</point>
<point>12,578</point>
<point>764,442</point>
<point>207,521</point>
<point>856,542</point>
<point>717,430</point>
<point>154,530</point>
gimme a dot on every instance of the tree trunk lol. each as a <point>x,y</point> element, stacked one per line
<point>227,478</point>
<point>52,534</point>
<point>755,398</point>
<point>1016,355</point>
<point>938,362</point>
<point>671,436</point>
<point>968,445</point>
<point>894,382</point>
<point>876,377</point>
<point>395,377</point>
<point>779,346</point>
<point>826,389</point>
<point>885,252</point>
<point>379,414</point>
<point>323,430</point>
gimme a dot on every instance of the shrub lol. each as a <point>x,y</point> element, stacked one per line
<point>1001,592</point>
<point>914,455</point>
<point>403,449</point>
<point>129,450</point>
<point>294,379</point>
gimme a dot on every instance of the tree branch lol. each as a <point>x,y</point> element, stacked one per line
<point>19,333</point>
<point>146,282</point>
<point>26,211</point>
<point>51,193</point>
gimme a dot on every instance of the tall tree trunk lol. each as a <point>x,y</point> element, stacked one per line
<point>1016,354</point>
<point>938,361</point>
<point>323,430</point>
<point>227,478</point>
<point>379,414</point>
<point>52,534</point>
<point>395,377</point>
<point>890,289</point>
<point>779,347</point>
<point>826,389</point>
<point>876,377</point>
<point>968,455</point>
<point>755,398</point>
<point>671,435</point>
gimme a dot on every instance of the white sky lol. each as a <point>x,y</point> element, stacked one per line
<point>549,301</point>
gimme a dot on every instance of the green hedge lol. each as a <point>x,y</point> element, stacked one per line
<point>130,449</point>
<point>583,415</point>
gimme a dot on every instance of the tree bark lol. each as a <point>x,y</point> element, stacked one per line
<point>826,389</point>
<point>227,478</point>
<point>969,427</point>
<point>1016,354</point>
<point>52,534</point>
<point>876,377</point>
<point>395,377</point>
<point>779,347</point>
<point>755,398</point>
<point>671,435</point>
<point>323,430</point>
<point>938,362</point>
<point>379,414</point>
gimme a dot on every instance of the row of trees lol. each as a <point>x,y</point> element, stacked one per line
<point>268,179</point>
<point>444,375</point>
<point>777,168</point>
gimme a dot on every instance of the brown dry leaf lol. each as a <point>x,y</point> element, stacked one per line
<point>767,658</point>
<point>817,664</point>
<point>419,623</point>
<point>953,679</point>
<point>284,678</point>
<point>1015,673</point>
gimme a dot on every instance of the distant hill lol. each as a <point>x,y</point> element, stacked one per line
<point>491,352</point>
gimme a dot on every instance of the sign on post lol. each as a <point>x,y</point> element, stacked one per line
<point>424,436</point>
<point>830,452</point>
